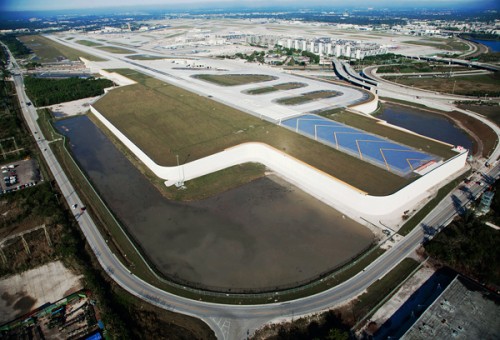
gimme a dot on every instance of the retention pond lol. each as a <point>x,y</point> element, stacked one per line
<point>425,123</point>
<point>261,236</point>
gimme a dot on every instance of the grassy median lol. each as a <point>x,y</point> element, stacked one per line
<point>420,215</point>
<point>88,43</point>
<point>234,79</point>
<point>278,87</point>
<point>114,49</point>
<point>308,97</point>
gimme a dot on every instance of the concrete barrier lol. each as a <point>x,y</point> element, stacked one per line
<point>351,201</point>
<point>368,107</point>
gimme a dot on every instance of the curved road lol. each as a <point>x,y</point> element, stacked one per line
<point>236,321</point>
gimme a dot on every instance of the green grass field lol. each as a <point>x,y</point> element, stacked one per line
<point>382,289</point>
<point>165,121</point>
<point>419,68</point>
<point>370,125</point>
<point>478,85</point>
<point>88,43</point>
<point>420,215</point>
<point>308,97</point>
<point>444,44</point>
<point>48,50</point>
<point>114,49</point>
<point>197,188</point>
<point>145,57</point>
<point>278,87</point>
<point>234,79</point>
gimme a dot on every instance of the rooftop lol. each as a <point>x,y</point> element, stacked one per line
<point>465,310</point>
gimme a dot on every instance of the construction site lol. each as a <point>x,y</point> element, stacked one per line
<point>73,317</point>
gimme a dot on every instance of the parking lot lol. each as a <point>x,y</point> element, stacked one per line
<point>19,175</point>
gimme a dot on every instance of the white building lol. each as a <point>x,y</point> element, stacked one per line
<point>347,51</point>
<point>338,50</point>
<point>320,48</point>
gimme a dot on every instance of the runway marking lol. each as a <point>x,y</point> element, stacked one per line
<point>224,325</point>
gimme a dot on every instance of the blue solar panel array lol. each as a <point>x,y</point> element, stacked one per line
<point>380,151</point>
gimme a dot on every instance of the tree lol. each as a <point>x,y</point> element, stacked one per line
<point>337,334</point>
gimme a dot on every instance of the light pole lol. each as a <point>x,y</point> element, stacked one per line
<point>179,182</point>
<point>454,83</point>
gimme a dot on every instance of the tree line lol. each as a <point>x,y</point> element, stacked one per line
<point>470,247</point>
<point>17,48</point>
<point>43,91</point>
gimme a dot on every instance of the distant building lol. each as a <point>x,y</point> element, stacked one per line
<point>338,50</point>
<point>347,51</point>
<point>329,49</point>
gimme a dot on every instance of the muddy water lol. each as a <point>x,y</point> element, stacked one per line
<point>261,235</point>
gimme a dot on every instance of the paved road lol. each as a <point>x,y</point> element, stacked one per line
<point>235,321</point>
<point>432,74</point>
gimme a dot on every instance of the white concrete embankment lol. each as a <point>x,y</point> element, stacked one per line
<point>343,197</point>
<point>368,107</point>
<point>116,78</point>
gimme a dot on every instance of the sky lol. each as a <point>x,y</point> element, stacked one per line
<point>37,5</point>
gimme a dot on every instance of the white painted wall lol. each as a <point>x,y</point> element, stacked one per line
<point>368,107</point>
<point>343,197</point>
